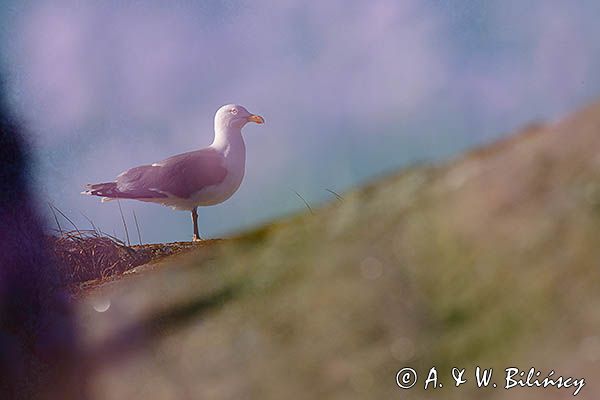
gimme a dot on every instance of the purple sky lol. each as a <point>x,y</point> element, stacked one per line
<point>348,89</point>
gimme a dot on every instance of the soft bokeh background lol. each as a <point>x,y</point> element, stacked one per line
<point>349,90</point>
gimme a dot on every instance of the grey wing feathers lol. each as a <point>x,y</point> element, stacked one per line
<point>180,175</point>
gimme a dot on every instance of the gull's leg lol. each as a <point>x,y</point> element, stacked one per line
<point>196,236</point>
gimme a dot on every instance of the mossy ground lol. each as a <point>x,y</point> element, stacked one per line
<point>491,260</point>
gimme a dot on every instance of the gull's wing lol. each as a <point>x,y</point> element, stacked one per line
<point>180,176</point>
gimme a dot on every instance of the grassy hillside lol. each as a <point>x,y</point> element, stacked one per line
<point>492,259</point>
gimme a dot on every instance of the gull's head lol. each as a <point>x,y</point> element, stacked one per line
<point>235,116</point>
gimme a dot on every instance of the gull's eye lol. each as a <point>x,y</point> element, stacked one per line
<point>234,111</point>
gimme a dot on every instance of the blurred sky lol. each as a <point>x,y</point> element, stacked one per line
<point>349,90</point>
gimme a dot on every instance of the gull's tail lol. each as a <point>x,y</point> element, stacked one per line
<point>107,190</point>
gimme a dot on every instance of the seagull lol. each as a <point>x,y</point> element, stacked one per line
<point>186,181</point>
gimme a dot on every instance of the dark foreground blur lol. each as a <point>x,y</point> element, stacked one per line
<point>38,346</point>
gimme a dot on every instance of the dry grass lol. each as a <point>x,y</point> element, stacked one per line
<point>88,255</point>
<point>91,258</point>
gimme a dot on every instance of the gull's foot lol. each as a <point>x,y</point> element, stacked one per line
<point>197,238</point>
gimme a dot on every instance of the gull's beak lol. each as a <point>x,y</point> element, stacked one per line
<point>256,118</point>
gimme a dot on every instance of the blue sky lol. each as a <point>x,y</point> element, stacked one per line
<point>349,90</point>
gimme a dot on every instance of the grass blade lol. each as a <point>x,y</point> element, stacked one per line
<point>91,223</point>
<point>55,218</point>
<point>305,202</point>
<point>124,223</point>
<point>68,219</point>
<point>137,226</point>
<point>340,198</point>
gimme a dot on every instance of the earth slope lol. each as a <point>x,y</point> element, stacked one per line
<point>491,259</point>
